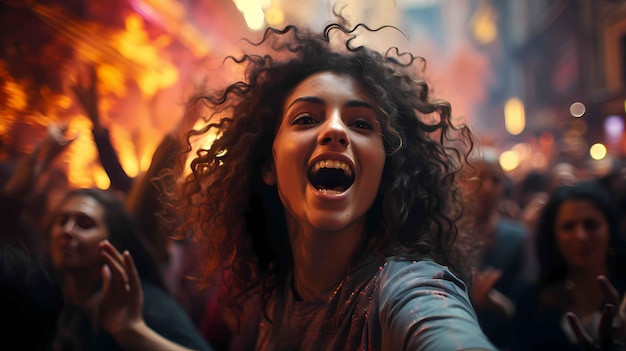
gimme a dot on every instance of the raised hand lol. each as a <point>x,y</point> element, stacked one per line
<point>54,143</point>
<point>122,299</point>
<point>612,328</point>
<point>88,96</point>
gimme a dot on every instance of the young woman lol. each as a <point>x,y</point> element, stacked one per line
<point>110,304</point>
<point>329,199</point>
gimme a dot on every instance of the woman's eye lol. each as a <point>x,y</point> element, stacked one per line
<point>304,119</point>
<point>362,124</point>
<point>85,222</point>
<point>61,220</point>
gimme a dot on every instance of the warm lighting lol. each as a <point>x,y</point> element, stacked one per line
<point>509,160</point>
<point>16,94</point>
<point>597,151</point>
<point>252,11</point>
<point>274,16</point>
<point>81,154</point>
<point>100,177</point>
<point>483,24</point>
<point>514,116</point>
<point>522,149</point>
<point>539,161</point>
<point>126,150</point>
<point>577,109</point>
<point>135,44</point>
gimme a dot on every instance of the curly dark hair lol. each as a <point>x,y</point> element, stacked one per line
<point>240,219</point>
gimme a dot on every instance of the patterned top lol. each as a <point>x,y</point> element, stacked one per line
<point>394,305</point>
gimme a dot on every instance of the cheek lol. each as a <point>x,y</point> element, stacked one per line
<point>91,241</point>
<point>563,241</point>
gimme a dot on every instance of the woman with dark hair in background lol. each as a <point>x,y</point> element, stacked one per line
<point>109,304</point>
<point>581,257</point>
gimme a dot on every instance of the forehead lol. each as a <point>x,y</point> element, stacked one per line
<point>82,204</point>
<point>578,208</point>
<point>330,84</point>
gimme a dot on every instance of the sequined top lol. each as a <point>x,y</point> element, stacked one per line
<point>392,305</point>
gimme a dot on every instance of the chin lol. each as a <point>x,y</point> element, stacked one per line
<point>334,223</point>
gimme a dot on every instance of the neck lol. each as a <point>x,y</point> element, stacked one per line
<point>582,277</point>
<point>321,259</point>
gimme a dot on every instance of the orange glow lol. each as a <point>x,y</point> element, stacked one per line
<point>125,150</point>
<point>81,155</point>
<point>136,45</point>
<point>16,94</point>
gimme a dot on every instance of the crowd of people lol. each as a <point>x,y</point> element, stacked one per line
<point>331,212</point>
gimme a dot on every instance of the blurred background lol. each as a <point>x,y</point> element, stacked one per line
<point>541,81</point>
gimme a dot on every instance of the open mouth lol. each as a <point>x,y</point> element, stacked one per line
<point>331,176</point>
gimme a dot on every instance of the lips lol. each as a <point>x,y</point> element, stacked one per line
<point>331,175</point>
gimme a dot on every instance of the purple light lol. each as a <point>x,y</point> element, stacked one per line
<point>614,127</point>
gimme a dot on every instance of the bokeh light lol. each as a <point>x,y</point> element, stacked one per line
<point>597,151</point>
<point>509,160</point>
<point>514,116</point>
<point>577,109</point>
<point>613,127</point>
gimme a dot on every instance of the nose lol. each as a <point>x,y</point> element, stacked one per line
<point>334,131</point>
<point>69,225</point>
<point>580,233</point>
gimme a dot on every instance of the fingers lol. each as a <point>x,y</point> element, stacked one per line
<point>133,275</point>
<point>610,293</point>
<point>605,330</point>
<point>115,262</point>
<point>581,335</point>
<point>106,279</point>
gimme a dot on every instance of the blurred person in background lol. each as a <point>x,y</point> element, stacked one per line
<point>177,258</point>
<point>502,253</point>
<point>31,300</point>
<point>577,241</point>
<point>110,304</point>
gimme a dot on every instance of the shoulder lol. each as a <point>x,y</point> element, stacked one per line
<point>404,283</point>
<point>422,272</point>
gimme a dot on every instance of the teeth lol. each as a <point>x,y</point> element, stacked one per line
<point>329,191</point>
<point>333,164</point>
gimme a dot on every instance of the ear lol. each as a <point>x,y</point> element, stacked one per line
<point>269,173</point>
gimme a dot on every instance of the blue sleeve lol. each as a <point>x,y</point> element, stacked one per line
<point>423,306</point>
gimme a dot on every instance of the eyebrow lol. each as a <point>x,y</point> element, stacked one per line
<point>319,101</point>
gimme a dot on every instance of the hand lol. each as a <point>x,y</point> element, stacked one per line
<point>54,143</point>
<point>485,297</point>
<point>482,284</point>
<point>117,309</point>
<point>612,328</point>
<point>87,96</point>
